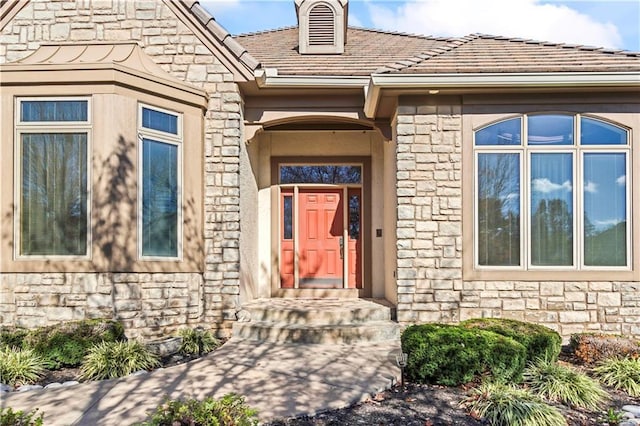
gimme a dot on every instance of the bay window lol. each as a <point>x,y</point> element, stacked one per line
<point>552,192</point>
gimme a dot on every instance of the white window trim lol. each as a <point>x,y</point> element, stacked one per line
<point>476,219</point>
<point>577,150</point>
<point>49,127</point>
<point>159,133</point>
<point>171,139</point>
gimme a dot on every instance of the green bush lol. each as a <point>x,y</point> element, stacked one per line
<point>452,355</point>
<point>540,341</point>
<point>19,366</point>
<point>8,417</point>
<point>12,337</point>
<point>620,373</point>
<point>564,384</point>
<point>108,360</point>
<point>504,405</point>
<point>66,344</point>
<point>197,341</point>
<point>230,410</point>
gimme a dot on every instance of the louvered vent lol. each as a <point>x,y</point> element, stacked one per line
<point>321,26</point>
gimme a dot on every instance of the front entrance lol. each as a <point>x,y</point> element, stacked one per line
<point>320,229</point>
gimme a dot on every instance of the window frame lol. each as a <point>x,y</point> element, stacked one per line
<point>48,127</point>
<point>170,139</point>
<point>577,151</point>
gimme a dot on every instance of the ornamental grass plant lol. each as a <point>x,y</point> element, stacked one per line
<point>20,366</point>
<point>196,341</point>
<point>108,360</point>
<point>560,383</point>
<point>620,373</point>
<point>500,404</point>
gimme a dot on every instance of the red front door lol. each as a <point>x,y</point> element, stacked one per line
<point>321,213</point>
<point>326,238</point>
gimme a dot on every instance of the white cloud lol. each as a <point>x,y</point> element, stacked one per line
<point>591,187</point>
<point>545,186</point>
<point>622,180</point>
<point>511,196</point>
<point>606,223</point>
<point>513,18</point>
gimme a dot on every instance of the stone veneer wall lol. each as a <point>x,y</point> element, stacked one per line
<point>148,305</point>
<point>429,241</point>
<point>174,47</point>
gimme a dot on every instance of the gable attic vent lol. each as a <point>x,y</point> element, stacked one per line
<point>322,26</point>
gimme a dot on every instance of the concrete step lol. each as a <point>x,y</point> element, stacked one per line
<point>318,311</point>
<point>321,320</point>
<point>265,331</point>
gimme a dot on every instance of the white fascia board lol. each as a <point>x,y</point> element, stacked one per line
<point>496,80</point>
<point>269,78</point>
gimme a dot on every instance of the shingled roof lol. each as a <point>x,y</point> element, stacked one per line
<point>366,52</point>
<point>377,52</point>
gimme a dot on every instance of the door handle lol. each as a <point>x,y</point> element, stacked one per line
<point>341,247</point>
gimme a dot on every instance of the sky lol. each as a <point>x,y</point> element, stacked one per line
<point>601,23</point>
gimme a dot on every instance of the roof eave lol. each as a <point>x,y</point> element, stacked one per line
<point>465,81</point>
<point>269,78</point>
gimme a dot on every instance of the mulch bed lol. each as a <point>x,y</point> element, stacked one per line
<point>430,405</point>
<point>433,405</point>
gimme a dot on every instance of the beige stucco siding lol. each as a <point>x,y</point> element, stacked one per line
<point>298,147</point>
<point>114,170</point>
<point>436,277</point>
<point>212,176</point>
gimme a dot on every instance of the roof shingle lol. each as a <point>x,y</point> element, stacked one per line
<point>366,52</point>
<point>372,51</point>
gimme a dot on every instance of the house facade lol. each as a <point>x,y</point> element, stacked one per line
<point>159,171</point>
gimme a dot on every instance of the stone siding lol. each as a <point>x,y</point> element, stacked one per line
<point>430,281</point>
<point>173,46</point>
<point>148,305</point>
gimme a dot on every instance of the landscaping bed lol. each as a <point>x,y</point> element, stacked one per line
<point>461,375</point>
<point>432,405</point>
<point>67,353</point>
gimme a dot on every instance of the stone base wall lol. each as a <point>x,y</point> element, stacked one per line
<point>148,305</point>
<point>431,287</point>
<point>567,307</point>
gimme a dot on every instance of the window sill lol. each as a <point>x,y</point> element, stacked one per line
<point>470,274</point>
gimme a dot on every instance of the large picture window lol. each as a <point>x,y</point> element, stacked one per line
<point>52,138</point>
<point>552,192</point>
<point>159,222</point>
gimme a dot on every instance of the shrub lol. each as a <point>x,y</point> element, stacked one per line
<point>230,410</point>
<point>108,360</point>
<point>19,366</point>
<point>620,373</point>
<point>452,355</point>
<point>197,341</point>
<point>556,382</point>
<point>8,417</point>
<point>540,341</point>
<point>504,405</point>
<point>591,348</point>
<point>12,337</point>
<point>66,344</point>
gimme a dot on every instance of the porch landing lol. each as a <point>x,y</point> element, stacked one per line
<point>317,320</point>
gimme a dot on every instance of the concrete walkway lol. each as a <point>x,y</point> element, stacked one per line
<point>279,380</point>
